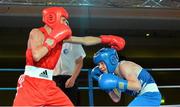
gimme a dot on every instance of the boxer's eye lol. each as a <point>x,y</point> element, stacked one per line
<point>66,21</point>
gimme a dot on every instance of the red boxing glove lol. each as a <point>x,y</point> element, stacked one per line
<point>58,34</point>
<point>61,32</point>
<point>115,42</point>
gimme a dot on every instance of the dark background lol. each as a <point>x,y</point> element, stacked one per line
<point>161,49</point>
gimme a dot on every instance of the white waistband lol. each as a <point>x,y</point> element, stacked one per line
<point>37,72</point>
<point>152,87</point>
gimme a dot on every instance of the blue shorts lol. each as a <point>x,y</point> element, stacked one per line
<point>147,99</point>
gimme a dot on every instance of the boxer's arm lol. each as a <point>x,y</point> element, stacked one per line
<point>115,95</point>
<point>133,83</point>
<point>128,70</point>
<point>35,43</point>
<point>87,40</point>
<point>115,42</point>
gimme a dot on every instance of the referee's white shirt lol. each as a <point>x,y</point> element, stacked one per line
<point>66,63</point>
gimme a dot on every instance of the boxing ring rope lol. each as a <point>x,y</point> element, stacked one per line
<point>163,69</point>
<point>149,69</point>
<point>90,87</point>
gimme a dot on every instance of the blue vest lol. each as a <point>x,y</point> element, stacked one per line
<point>147,84</point>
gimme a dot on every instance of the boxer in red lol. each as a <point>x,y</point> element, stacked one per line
<point>35,86</point>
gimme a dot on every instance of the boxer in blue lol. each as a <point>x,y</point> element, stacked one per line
<point>116,76</point>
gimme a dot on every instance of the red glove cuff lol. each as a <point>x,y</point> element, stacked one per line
<point>105,39</point>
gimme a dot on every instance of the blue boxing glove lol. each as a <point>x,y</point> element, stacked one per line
<point>96,73</point>
<point>111,81</point>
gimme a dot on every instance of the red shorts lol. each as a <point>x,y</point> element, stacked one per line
<point>39,92</point>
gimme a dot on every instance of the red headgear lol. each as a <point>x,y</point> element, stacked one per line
<point>52,15</point>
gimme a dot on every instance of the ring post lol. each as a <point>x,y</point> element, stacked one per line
<point>90,84</point>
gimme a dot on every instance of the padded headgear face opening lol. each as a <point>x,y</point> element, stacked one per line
<point>109,56</point>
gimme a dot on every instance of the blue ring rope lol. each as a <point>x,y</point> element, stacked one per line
<point>80,88</point>
<point>22,69</point>
<point>94,88</point>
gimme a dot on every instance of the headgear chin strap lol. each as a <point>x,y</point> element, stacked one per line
<point>109,56</point>
<point>52,15</point>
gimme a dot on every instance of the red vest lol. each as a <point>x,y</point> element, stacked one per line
<point>49,60</point>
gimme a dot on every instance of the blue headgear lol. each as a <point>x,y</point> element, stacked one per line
<point>109,56</point>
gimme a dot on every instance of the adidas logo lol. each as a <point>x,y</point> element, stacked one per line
<point>44,74</point>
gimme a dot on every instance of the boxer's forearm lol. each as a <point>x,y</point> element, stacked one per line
<point>88,40</point>
<point>115,96</point>
<point>39,53</point>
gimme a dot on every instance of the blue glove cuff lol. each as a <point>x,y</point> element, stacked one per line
<point>122,85</point>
